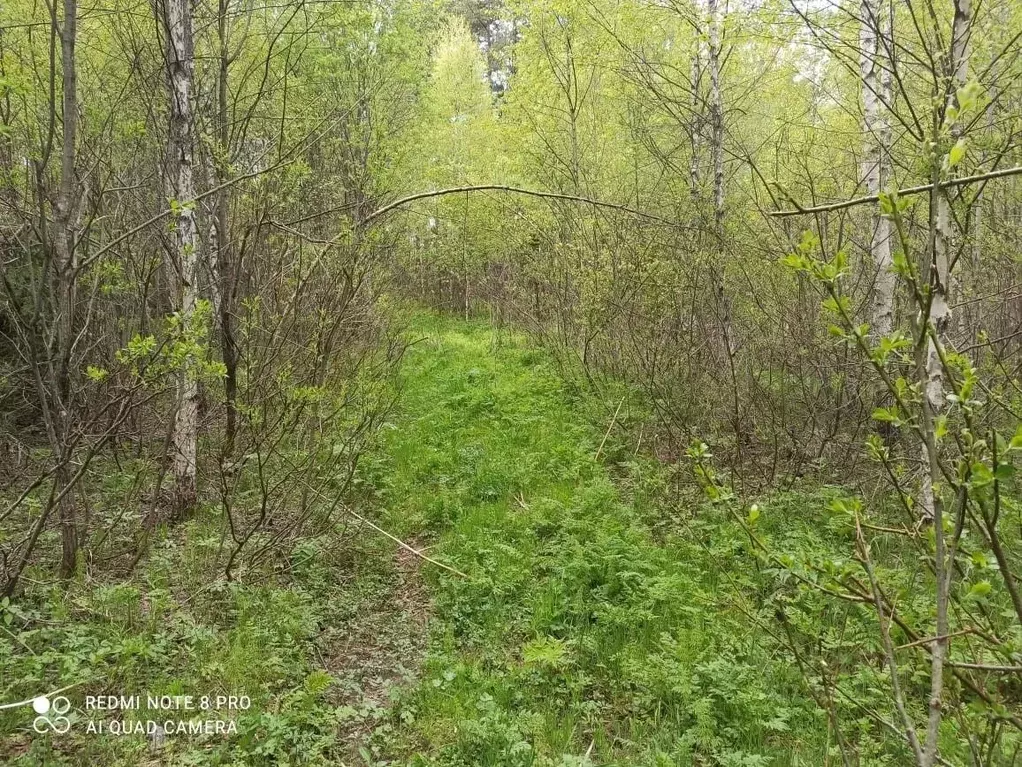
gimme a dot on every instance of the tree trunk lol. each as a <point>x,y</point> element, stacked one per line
<point>64,270</point>
<point>876,97</point>
<point>224,276</point>
<point>940,268</point>
<point>969,317</point>
<point>177,23</point>
<point>939,274</point>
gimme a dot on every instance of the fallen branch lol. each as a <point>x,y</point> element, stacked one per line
<point>612,422</point>
<point>402,544</point>
<point>380,530</point>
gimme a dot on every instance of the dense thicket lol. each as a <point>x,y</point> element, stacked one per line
<point>185,260</point>
<point>790,228</point>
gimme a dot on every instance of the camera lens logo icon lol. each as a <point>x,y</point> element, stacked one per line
<point>51,714</point>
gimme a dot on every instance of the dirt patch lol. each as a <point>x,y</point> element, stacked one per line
<point>381,648</point>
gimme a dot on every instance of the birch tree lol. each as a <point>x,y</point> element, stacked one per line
<point>933,404</point>
<point>940,312</point>
<point>939,268</point>
<point>176,20</point>
<point>876,96</point>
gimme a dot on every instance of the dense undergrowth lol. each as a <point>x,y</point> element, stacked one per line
<point>174,629</point>
<point>604,617</point>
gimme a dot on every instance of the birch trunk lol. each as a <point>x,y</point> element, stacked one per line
<point>177,22</point>
<point>876,95</point>
<point>695,175</point>
<point>960,34</point>
<point>939,275</point>
<point>940,268</point>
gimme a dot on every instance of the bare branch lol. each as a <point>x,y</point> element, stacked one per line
<point>963,181</point>
<point>517,190</point>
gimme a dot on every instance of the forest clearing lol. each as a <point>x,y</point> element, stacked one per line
<point>511,383</point>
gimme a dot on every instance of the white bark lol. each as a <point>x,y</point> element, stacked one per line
<point>715,22</point>
<point>940,271</point>
<point>695,180</point>
<point>177,22</point>
<point>876,96</point>
<point>960,33</point>
<point>940,317</point>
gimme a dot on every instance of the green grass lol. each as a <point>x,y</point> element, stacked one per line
<point>600,616</point>
<point>168,632</point>
<point>576,631</point>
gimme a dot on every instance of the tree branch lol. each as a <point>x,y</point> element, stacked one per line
<point>516,190</point>
<point>964,181</point>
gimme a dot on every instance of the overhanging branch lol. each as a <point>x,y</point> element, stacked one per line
<point>964,181</point>
<point>515,190</point>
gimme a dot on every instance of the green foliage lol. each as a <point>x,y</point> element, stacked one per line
<point>172,631</point>
<point>574,626</point>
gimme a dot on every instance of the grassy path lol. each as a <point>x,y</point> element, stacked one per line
<point>575,632</point>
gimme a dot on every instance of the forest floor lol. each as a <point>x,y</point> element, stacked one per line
<point>592,620</point>
<point>586,631</point>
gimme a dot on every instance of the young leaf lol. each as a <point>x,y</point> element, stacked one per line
<point>957,153</point>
